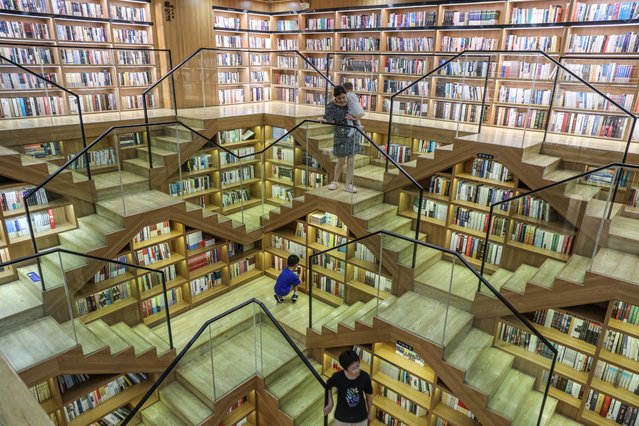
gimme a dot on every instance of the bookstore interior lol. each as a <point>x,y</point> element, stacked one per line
<point>448,186</point>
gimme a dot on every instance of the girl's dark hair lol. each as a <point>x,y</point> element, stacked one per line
<point>339,90</point>
<point>349,356</point>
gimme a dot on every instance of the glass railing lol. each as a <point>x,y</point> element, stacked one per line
<point>215,77</point>
<point>232,348</point>
<point>581,223</point>
<point>356,282</point>
<point>82,294</point>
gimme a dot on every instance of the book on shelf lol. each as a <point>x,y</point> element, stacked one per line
<point>519,95</point>
<point>606,176</point>
<point>615,11</point>
<point>372,279</point>
<point>40,221</point>
<point>330,263</point>
<point>401,401</point>
<point>282,153</point>
<point>526,70</point>
<point>115,417</point>
<point>235,196</point>
<point>281,192</point>
<point>198,239</point>
<point>206,282</point>
<point>35,6</point>
<point>456,404</point>
<point>543,43</point>
<point>28,56</point>
<point>24,30</point>
<point>152,254</point>
<point>570,324</point>
<point>412,19</point>
<point>287,44</point>
<point>611,408</point>
<point>237,248</point>
<point>80,33</point>
<point>612,43</point>
<point>525,339</point>
<point>237,404</point>
<point>18,81</point>
<point>572,388</point>
<point>320,23</point>
<point>477,17</point>
<point>320,44</point>
<point>459,44</point>
<point>475,247</point>
<point>230,96</point>
<point>403,376</point>
<point>421,88</point>
<point>259,42</point>
<point>153,279</point>
<point>326,218</point>
<point>237,175</point>
<point>406,107</point>
<point>41,391</point>
<point>237,155</point>
<point>94,103</point>
<point>100,157</point>
<point>285,79</point>
<point>478,221</point>
<point>291,247</point>
<point>68,381</point>
<point>243,266</point>
<point>599,73</point>
<point>235,135</point>
<point>490,169</point>
<point>189,186</point>
<point>136,102</point>
<point>135,78</point>
<point>260,59</point>
<point>260,94</point>
<point>405,66</point>
<point>361,84</point>
<point>430,208</point>
<point>153,231</point>
<point>484,195</point>
<point>156,304</point>
<point>405,350</point>
<point>127,36</point>
<point>588,124</point>
<point>363,253</point>
<point>361,21</point>
<point>466,68</point>
<point>359,44</point>
<point>520,118</point>
<point>128,13</point>
<point>209,257</point>
<point>536,236</point>
<point>536,15</point>
<point>408,44</point>
<point>355,64</point>
<point>103,298</point>
<point>14,199</point>
<point>594,101</point>
<point>229,60</point>
<point>234,42</point>
<point>287,25</point>
<point>301,230</point>
<point>617,376</point>
<point>130,139</point>
<point>220,21</point>
<point>102,394</point>
<point>259,76</point>
<point>32,106</point>
<point>622,344</point>
<point>456,111</point>
<point>455,90</point>
<point>111,270</point>
<point>258,24</point>
<point>328,285</point>
<point>72,8</point>
<point>386,418</point>
<point>625,312</point>
<point>313,179</point>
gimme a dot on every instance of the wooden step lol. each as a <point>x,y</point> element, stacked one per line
<point>181,131</point>
<point>113,183</point>
<point>617,264</point>
<point>426,317</point>
<point>385,304</point>
<point>89,342</point>
<point>332,324</point>
<point>18,305</point>
<point>369,306</point>
<point>370,176</point>
<point>623,234</point>
<point>517,282</point>
<point>184,404</point>
<point>575,269</point>
<point>426,257</point>
<point>545,275</point>
<point>529,411</point>
<point>548,162</point>
<point>296,374</point>
<point>363,199</point>
<point>448,282</point>
<point>581,192</point>
<point>159,414</point>
<point>318,323</point>
<point>490,368</point>
<point>559,420</point>
<point>140,345</point>
<point>297,404</point>
<point>158,154</point>
<point>599,209</point>
<point>464,354</point>
<point>161,344</point>
<point>34,342</point>
<point>394,224</point>
<point>513,390</point>
<point>497,280</point>
<point>100,224</point>
<point>314,415</point>
<point>139,166</point>
<point>378,214</point>
<point>108,336</point>
<point>51,274</point>
<point>560,174</point>
<point>82,240</point>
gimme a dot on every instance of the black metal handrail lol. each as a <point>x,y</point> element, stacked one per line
<point>615,186</point>
<point>37,256</point>
<point>199,333</point>
<point>465,263</point>
<point>489,53</point>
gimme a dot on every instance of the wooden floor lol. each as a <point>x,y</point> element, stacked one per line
<point>250,217</point>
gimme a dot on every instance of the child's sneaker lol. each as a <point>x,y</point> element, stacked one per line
<point>294,298</point>
<point>278,299</point>
<point>350,188</point>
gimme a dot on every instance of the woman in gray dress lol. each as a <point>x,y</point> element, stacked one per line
<point>344,146</point>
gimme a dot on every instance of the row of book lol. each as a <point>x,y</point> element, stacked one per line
<point>156,304</point>
<point>394,86</point>
<point>360,44</point>
<point>536,208</point>
<point>459,44</point>
<point>244,265</point>
<point>287,25</point>
<point>405,66</point>
<point>282,192</point>
<point>136,102</point>
<point>351,64</point>
<point>199,162</point>
<point>80,33</point>
<point>466,68</point>
<point>94,103</point>
<point>326,218</point>
<point>237,155</point>
<point>406,107</point>
<point>328,285</point>
<point>522,119</point>
<point>536,15</point>
<point>600,73</point>
<point>405,350</point>
<point>605,11</point>
<point>152,254</point>
<point>37,6</point>
<point>372,279</point>
<point>320,24</point>
<point>490,169</point>
<point>14,80</point>
<point>228,22</point>
<point>479,221</point>
<point>235,196</point>
<point>572,388</point>
<point>412,19</point>
<point>137,78</point>
<point>484,195</point>
<point>456,90</point>
<point>28,55</point>
<point>613,43</point>
<point>258,77</point>
<point>100,157</point>
<point>619,377</point>
<point>101,394</point>
<point>14,199</point>
<point>611,408</point>
<point>115,417</point>
<point>622,344</point>
<point>153,231</point>
<point>525,339</point>
<point>31,106</point>
<point>594,101</point>
<point>72,8</point>
<point>625,312</point>
<point>476,247</point>
<point>520,95</point>
<point>360,84</point>
<point>457,112</point>
<point>331,263</point>
<point>588,124</point>
<point>206,282</point>
<point>209,257</point>
<point>128,13</point>
<point>154,279</point>
<point>285,79</point>
<point>533,235</point>
<point>386,418</point>
<point>228,41</point>
<point>482,17</point>
<point>40,221</point>
<point>43,150</point>
<point>111,270</point>
<point>408,44</point>
<point>41,391</point>
<point>198,239</point>
<point>239,174</point>
<point>526,70</point>
<point>320,44</point>
<point>288,246</point>
<point>26,30</point>
<point>431,208</point>
<point>283,154</point>
<point>372,20</point>
<point>543,43</point>
<point>363,253</point>
<point>402,401</point>
<point>68,381</point>
<point>230,96</point>
<point>396,373</point>
<point>259,42</point>
<point>577,327</point>
<point>439,185</point>
<point>104,298</point>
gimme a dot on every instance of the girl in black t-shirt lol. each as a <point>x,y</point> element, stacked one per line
<point>354,393</point>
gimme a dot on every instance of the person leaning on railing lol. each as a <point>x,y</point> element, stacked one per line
<point>345,145</point>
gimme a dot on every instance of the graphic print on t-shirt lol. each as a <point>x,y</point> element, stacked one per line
<point>352,397</point>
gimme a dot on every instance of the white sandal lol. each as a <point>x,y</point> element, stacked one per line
<point>350,188</point>
<point>333,186</point>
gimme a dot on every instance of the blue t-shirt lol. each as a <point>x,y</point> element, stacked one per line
<point>285,281</point>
